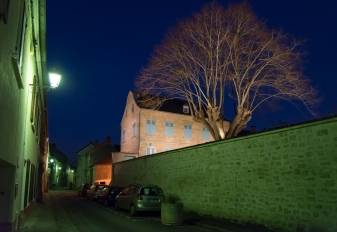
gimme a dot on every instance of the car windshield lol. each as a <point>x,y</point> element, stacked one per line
<point>151,191</point>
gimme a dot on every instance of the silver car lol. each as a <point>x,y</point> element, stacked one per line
<point>138,197</point>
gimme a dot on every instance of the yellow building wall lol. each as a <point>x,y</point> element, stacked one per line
<point>159,140</point>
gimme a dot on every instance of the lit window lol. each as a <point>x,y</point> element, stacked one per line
<point>186,109</point>
<point>150,150</point>
<point>187,131</point>
<point>205,134</point>
<point>150,126</point>
<point>169,129</point>
<point>133,129</point>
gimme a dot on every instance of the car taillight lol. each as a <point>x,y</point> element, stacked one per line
<point>139,197</point>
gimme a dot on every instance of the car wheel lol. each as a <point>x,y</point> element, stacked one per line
<point>116,206</point>
<point>132,210</point>
<point>106,203</point>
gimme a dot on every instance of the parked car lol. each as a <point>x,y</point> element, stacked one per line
<point>108,195</point>
<point>94,190</point>
<point>82,190</point>
<point>137,197</point>
<point>103,181</point>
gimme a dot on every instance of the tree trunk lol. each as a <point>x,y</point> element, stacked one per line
<point>240,121</point>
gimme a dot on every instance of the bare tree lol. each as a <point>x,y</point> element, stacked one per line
<point>218,49</point>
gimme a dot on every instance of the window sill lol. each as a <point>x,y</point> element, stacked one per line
<point>17,72</point>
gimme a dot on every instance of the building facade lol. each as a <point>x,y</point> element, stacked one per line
<point>94,161</point>
<point>146,131</point>
<point>82,164</point>
<point>23,118</point>
<point>59,172</point>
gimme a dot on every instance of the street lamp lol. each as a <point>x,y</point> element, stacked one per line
<point>54,80</point>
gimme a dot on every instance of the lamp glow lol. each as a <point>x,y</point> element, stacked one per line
<point>54,79</point>
<point>51,160</point>
<point>59,167</point>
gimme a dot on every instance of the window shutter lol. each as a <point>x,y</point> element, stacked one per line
<point>188,131</point>
<point>134,129</point>
<point>148,126</point>
<point>205,133</point>
<point>171,129</point>
<point>148,151</point>
<point>153,127</point>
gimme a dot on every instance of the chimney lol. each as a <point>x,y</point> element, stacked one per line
<point>252,129</point>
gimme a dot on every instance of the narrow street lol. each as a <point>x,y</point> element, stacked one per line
<point>75,213</point>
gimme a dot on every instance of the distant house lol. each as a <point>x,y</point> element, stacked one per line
<point>146,131</point>
<point>95,161</point>
<point>81,164</point>
<point>58,167</point>
<point>72,174</point>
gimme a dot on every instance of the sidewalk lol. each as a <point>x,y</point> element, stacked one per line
<point>220,224</point>
<point>50,216</point>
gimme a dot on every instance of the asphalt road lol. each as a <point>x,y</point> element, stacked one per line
<point>89,215</point>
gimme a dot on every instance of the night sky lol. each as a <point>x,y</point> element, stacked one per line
<point>100,47</point>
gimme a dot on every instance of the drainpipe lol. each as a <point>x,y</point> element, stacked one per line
<point>40,73</point>
<point>140,110</point>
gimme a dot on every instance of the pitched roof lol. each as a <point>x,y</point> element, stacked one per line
<point>55,153</point>
<point>105,160</point>
<point>171,105</point>
<point>90,143</point>
<point>98,154</point>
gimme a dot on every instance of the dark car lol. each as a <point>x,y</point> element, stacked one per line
<point>108,195</point>
<point>82,190</point>
<point>94,190</point>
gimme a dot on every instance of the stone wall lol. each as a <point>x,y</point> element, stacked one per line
<point>284,179</point>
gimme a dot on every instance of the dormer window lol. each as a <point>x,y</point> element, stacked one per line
<point>186,109</point>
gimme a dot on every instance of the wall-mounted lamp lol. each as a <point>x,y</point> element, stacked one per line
<point>54,80</point>
<point>51,160</point>
<point>72,170</point>
<point>59,167</point>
